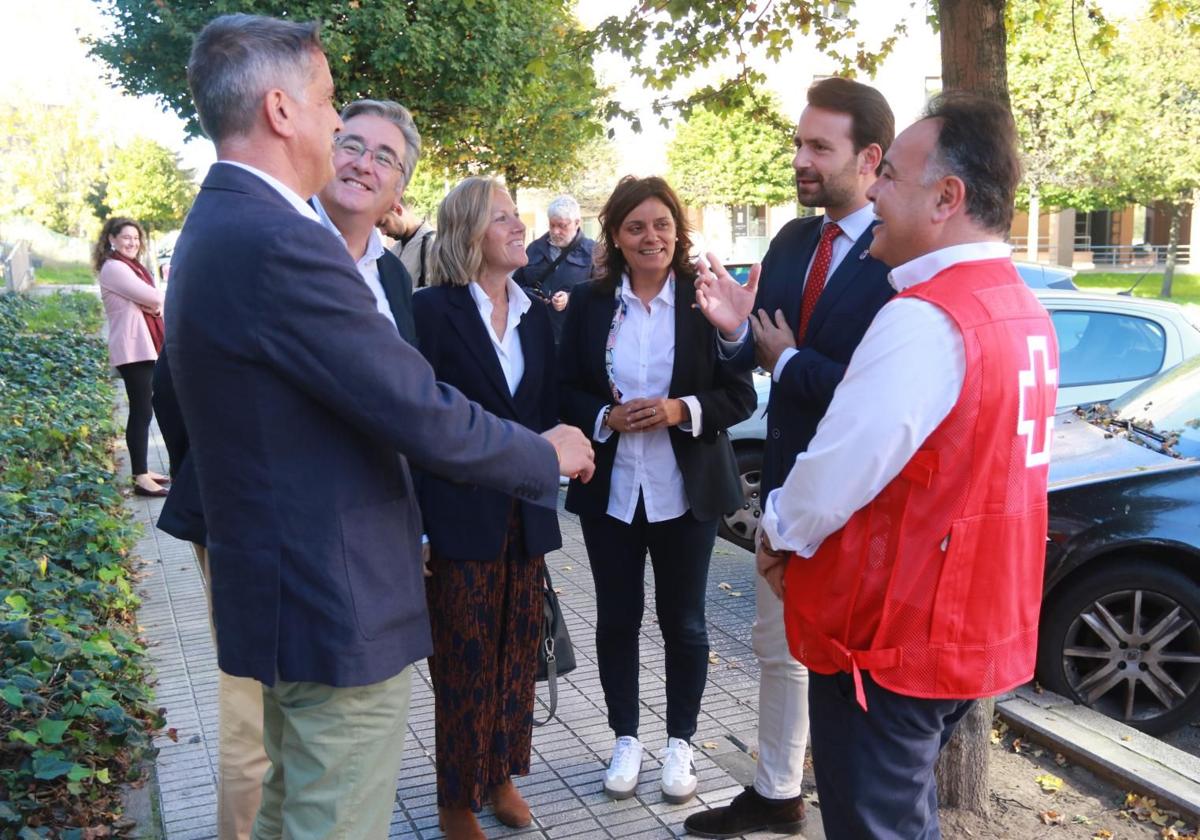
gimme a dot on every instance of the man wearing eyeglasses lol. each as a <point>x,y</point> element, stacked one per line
<point>373,159</point>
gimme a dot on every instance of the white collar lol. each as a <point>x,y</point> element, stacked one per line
<point>518,301</point>
<point>854,224</point>
<point>374,243</point>
<point>666,294</point>
<point>928,265</point>
<point>283,189</point>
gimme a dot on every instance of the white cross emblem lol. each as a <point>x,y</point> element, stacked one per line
<point>1035,419</point>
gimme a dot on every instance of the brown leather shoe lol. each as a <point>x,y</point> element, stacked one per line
<point>460,824</point>
<point>510,806</point>
<point>749,811</point>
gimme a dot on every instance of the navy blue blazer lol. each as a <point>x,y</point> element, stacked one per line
<point>182,516</point>
<point>710,475</point>
<point>575,268</point>
<point>298,396</point>
<point>846,307</point>
<point>463,520</point>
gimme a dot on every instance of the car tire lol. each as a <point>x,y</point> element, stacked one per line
<point>740,526</point>
<point>1125,641</point>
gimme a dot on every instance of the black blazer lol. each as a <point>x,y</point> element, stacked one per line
<point>727,397</point>
<point>302,404</point>
<point>845,309</point>
<point>182,516</point>
<point>466,521</point>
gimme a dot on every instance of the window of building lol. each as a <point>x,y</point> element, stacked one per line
<point>746,220</point>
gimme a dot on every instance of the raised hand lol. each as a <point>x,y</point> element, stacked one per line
<point>725,302</point>
<point>575,456</point>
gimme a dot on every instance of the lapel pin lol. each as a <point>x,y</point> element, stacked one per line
<point>863,255</point>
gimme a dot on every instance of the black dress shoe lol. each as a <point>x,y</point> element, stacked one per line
<point>139,490</point>
<point>748,812</point>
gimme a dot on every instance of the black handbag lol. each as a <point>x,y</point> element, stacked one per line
<point>556,655</point>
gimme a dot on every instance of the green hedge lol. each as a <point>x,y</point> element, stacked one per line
<point>75,706</point>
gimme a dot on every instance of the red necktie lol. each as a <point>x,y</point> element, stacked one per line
<point>814,284</point>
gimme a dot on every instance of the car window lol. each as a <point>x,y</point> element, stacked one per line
<point>1099,347</point>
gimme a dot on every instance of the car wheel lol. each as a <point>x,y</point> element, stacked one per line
<point>1126,642</point>
<point>741,526</point>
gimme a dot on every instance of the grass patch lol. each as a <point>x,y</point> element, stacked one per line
<point>64,312</point>
<point>66,274</point>
<point>1185,288</point>
<point>75,704</point>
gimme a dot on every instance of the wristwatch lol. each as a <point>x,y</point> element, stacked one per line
<point>765,545</point>
<point>604,419</point>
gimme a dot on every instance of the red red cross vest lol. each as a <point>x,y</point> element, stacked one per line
<point>935,586</point>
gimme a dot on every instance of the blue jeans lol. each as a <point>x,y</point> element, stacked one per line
<point>874,769</point>
<point>679,550</point>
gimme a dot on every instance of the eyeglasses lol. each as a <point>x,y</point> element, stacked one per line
<point>355,148</point>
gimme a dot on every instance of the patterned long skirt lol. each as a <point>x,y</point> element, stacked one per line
<point>486,617</point>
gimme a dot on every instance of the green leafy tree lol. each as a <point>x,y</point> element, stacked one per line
<point>146,182</point>
<point>735,157</point>
<point>495,85</point>
<point>50,157</point>
<point>1107,128</point>
<point>1151,155</point>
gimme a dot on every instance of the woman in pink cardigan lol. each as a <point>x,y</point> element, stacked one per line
<point>133,306</point>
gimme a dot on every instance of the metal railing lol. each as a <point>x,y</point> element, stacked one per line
<point>16,261</point>
<point>1120,256</point>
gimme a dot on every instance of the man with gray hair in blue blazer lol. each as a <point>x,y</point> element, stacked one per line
<point>298,394</point>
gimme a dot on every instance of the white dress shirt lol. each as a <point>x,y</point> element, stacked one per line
<point>367,264</point>
<point>643,361</point>
<point>902,382</point>
<point>853,226</point>
<point>302,206</point>
<point>508,349</point>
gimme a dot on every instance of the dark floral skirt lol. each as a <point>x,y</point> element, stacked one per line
<point>486,617</point>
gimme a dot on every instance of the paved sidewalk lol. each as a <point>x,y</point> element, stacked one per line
<point>564,786</point>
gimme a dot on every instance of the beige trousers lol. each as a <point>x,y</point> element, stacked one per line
<point>242,759</point>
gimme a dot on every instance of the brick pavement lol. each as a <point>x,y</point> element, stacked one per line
<point>564,786</point>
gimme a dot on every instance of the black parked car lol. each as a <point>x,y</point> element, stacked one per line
<point>1120,627</point>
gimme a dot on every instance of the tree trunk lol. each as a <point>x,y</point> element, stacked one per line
<point>974,44</point>
<point>1031,246</point>
<point>1175,214</point>
<point>962,768</point>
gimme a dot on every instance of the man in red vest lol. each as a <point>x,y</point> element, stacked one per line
<point>908,541</point>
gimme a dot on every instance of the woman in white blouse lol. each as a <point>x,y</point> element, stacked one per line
<point>640,373</point>
<point>481,334</point>
<point>133,307</point>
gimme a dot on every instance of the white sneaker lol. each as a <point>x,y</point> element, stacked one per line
<point>678,771</point>
<point>621,777</point>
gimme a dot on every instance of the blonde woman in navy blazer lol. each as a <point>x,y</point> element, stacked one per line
<point>482,334</point>
<point>640,374</point>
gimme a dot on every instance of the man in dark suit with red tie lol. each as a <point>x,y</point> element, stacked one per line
<point>800,318</point>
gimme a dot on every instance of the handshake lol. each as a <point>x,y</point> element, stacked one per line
<point>574,451</point>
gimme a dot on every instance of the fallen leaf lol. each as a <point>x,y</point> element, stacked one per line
<point>568,568</point>
<point>709,745</point>
<point>713,659</point>
<point>173,734</point>
<point>1017,745</point>
<point>1081,819</point>
<point>1126,737</point>
<point>1049,783</point>
<point>1102,834</point>
<point>1051,817</point>
<point>735,594</point>
<point>725,587</point>
<point>1060,759</point>
<point>995,736</point>
<point>1039,752</point>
